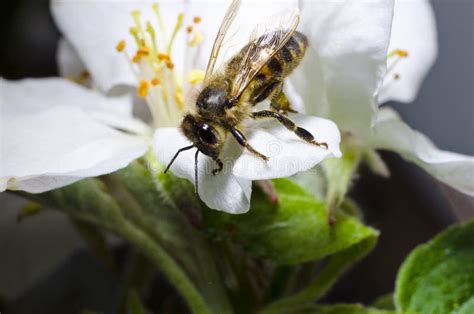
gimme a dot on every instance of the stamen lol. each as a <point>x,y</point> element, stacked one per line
<point>189,29</point>
<point>169,65</point>
<point>164,57</point>
<point>142,89</point>
<point>197,39</point>
<point>196,76</point>
<point>155,81</point>
<point>120,46</point>
<point>197,19</point>
<point>179,24</point>
<point>151,32</point>
<point>136,16</point>
<point>134,33</point>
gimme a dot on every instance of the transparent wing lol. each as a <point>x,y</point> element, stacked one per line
<point>221,35</point>
<point>265,40</point>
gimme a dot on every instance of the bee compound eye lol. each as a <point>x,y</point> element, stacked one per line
<point>207,134</point>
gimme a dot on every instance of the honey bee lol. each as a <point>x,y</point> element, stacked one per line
<point>229,93</point>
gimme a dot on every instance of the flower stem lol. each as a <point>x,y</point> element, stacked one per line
<point>165,263</point>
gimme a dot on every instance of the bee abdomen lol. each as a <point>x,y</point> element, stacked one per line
<point>288,57</point>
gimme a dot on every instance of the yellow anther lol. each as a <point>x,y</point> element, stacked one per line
<point>142,89</point>
<point>143,51</point>
<point>120,46</point>
<point>197,39</point>
<point>189,29</point>
<point>169,64</point>
<point>196,76</point>
<point>197,19</point>
<point>155,81</point>
<point>399,53</point>
<point>164,57</point>
<point>137,57</point>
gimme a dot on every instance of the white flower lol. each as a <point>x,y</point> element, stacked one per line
<point>60,132</point>
<point>345,90</point>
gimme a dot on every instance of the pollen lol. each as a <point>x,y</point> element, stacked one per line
<point>189,29</point>
<point>399,53</point>
<point>120,46</point>
<point>197,19</point>
<point>196,76</point>
<point>155,81</point>
<point>164,57</point>
<point>169,64</point>
<point>142,89</point>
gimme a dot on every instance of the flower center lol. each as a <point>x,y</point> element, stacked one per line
<point>158,80</point>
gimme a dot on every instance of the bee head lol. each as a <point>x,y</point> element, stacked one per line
<point>207,136</point>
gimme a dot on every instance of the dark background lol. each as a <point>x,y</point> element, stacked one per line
<point>409,208</point>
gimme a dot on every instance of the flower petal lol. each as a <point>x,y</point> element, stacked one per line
<point>288,154</point>
<point>69,63</point>
<point>391,133</point>
<point>50,148</point>
<point>33,95</point>
<point>222,191</point>
<point>413,30</point>
<point>346,60</point>
<point>95,27</point>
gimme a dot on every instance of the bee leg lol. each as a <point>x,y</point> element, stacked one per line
<point>220,166</point>
<point>290,125</point>
<point>278,100</point>
<point>242,140</point>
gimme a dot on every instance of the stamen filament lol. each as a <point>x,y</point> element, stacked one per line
<point>179,24</point>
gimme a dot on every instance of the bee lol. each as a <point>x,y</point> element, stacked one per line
<point>229,93</point>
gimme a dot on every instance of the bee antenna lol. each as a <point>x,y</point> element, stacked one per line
<point>176,155</point>
<point>196,190</point>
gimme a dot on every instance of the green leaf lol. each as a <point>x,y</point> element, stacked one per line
<point>309,308</point>
<point>385,302</point>
<point>336,265</point>
<point>293,231</point>
<point>438,277</point>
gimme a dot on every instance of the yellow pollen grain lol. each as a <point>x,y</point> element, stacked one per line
<point>143,51</point>
<point>399,53</point>
<point>189,29</point>
<point>120,46</point>
<point>169,65</point>
<point>142,89</point>
<point>155,81</point>
<point>196,76</point>
<point>137,57</point>
<point>164,57</point>
<point>197,19</point>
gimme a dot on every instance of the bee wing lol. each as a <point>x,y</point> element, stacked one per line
<point>221,35</point>
<point>265,41</point>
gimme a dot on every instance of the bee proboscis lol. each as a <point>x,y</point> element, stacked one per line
<point>230,92</point>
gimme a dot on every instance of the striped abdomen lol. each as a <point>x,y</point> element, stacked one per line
<point>287,58</point>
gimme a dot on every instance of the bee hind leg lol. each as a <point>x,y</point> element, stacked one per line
<point>290,125</point>
<point>242,140</point>
<point>279,102</point>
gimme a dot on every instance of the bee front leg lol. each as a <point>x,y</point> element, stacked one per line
<point>290,125</point>
<point>242,140</point>
<point>220,166</point>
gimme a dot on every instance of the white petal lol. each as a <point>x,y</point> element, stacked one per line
<point>392,133</point>
<point>346,61</point>
<point>222,191</point>
<point>34,95</point>
<point>95,27</point>
<point>69,63</point>
<point>288,154</point>
<point>414,30</point>
<point>45,149</point>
